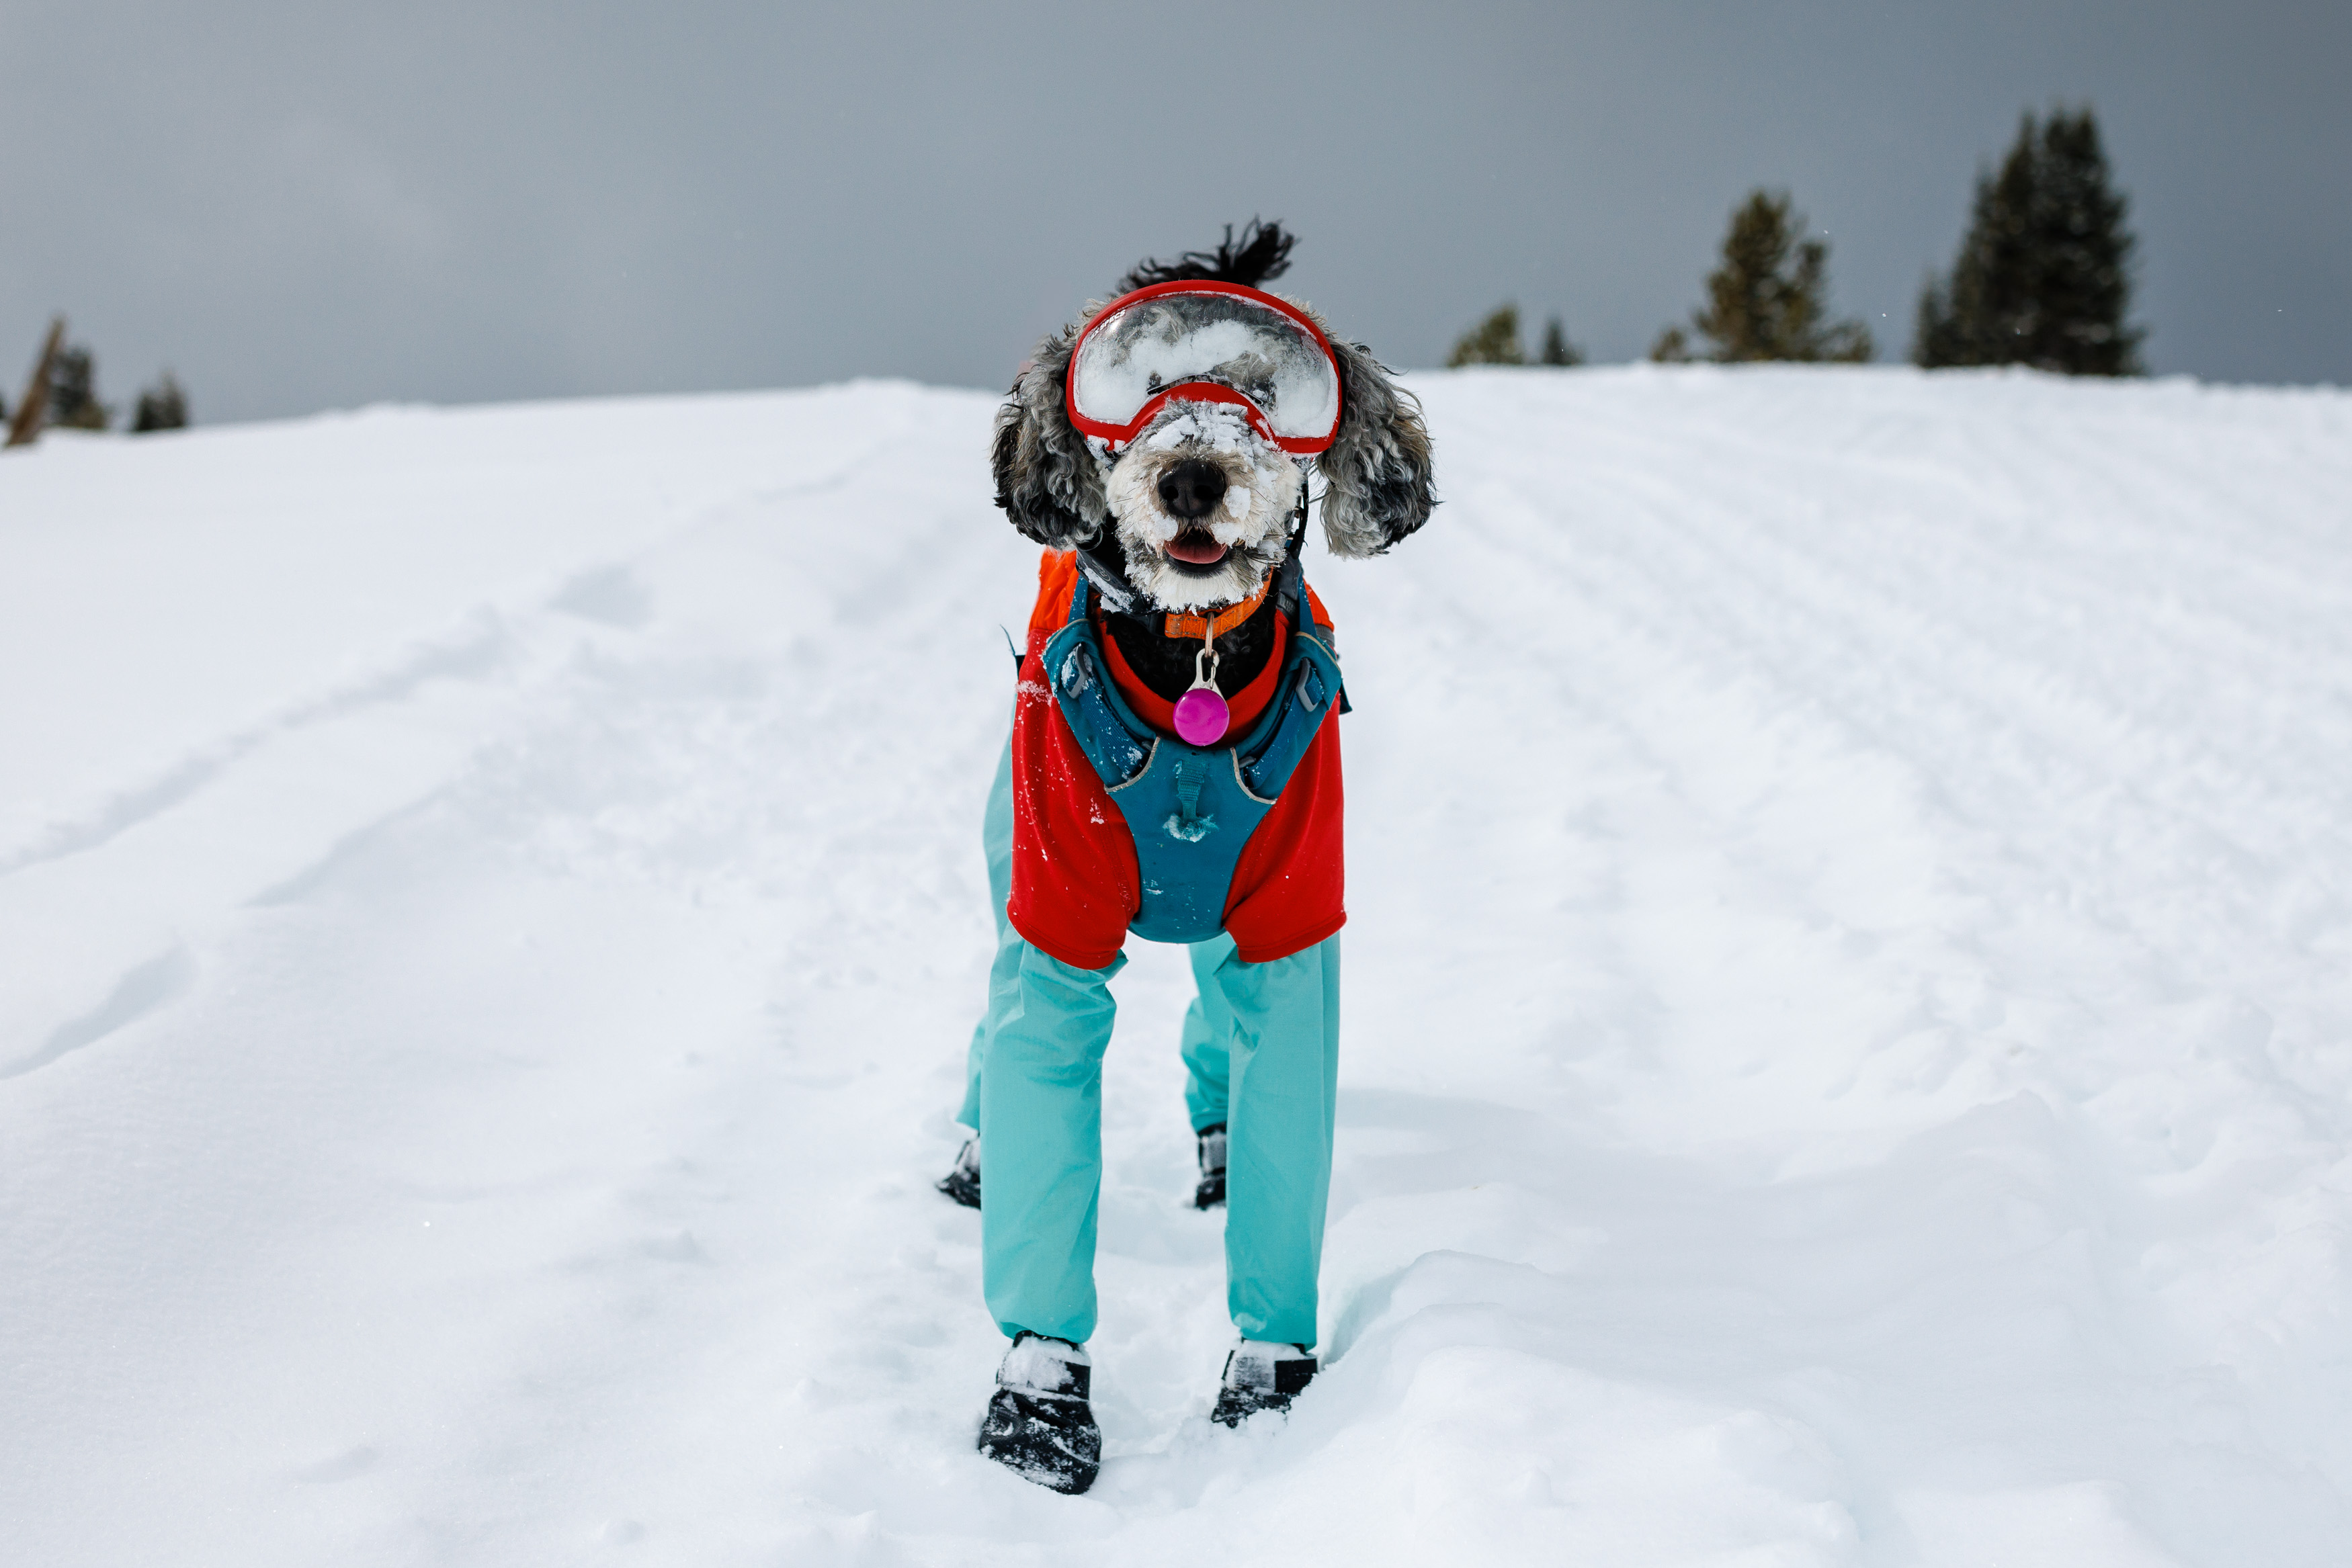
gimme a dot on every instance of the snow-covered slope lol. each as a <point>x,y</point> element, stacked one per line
<point>1848,1048</point>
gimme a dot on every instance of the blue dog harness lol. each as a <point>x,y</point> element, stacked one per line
<point>1191,810</point>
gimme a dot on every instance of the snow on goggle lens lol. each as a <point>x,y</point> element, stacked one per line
<point>1157,342</point>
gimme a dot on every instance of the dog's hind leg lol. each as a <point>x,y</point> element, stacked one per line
<point>1206,1046</point>
<point>962,1183</point>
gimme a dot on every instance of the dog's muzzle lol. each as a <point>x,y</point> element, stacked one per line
<point>1192,492</point>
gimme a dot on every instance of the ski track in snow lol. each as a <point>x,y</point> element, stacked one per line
<point>1848,1026</point>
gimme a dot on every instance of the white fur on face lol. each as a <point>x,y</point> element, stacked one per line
<point>1261,491</point>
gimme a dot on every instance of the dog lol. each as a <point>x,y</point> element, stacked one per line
<point>1133,517</point>
<point>1175,774</point>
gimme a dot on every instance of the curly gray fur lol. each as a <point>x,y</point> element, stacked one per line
<point>1376,472</point>
<point>1046,480</point>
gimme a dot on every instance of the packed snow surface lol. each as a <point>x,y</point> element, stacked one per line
<point>1849,1020</point>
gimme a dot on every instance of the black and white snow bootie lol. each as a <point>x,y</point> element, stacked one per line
<point>962,1183</point>
<point>1212,1190</point>
<point>1039,1424</point>
<point>1260,1375</point>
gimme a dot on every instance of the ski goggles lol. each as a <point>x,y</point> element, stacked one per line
<point>1205,342</point>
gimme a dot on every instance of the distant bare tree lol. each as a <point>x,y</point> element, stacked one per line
<point>33,408</point>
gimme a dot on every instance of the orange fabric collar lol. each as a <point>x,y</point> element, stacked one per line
<point>1182,623</point>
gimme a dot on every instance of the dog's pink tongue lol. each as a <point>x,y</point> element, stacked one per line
<point>1196,547</point>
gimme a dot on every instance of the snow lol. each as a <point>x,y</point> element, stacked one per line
<point>1219,426</point>
<point>1849,1014</point>
<point>1037,1365</point>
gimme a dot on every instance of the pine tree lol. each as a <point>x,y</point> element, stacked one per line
<point>2043,274</point>
<point>1494,341</point>
<point>73,392</point>
<point>162,407</point>
<point>1557,349</point>
<point>1768,300</point>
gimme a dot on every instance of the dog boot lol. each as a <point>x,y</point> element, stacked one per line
<point>1039,1424</point>
<point>1261,1376</point>
<point>962,1183</point>
<point>1212,1190</point>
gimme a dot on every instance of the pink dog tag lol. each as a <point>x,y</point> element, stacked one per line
<point>1202,716</point>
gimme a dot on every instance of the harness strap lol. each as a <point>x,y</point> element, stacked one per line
<point>1186,823</point>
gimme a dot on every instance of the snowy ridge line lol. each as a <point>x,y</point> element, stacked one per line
<point>357,533</point>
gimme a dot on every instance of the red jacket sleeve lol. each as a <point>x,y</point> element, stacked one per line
<point>1075,881</point>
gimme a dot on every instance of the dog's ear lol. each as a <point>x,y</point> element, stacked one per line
<point>1046,479</point>
<point>1376,471</point>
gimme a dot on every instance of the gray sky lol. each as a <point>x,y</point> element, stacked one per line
<point>301,207</point>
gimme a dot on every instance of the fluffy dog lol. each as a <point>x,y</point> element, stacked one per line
<point>1116,814</point>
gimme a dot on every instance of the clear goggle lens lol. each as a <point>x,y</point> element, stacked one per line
<point>1147,346</point>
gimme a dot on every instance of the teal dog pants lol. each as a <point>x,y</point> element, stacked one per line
<point>1260,1045</point>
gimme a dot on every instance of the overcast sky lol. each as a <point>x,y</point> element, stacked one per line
<point>300,206</point>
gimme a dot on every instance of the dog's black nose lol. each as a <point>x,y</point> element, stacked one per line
<point>1193,488</point>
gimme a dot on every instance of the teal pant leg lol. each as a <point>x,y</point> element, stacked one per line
<point>997,842</point>
<point>1284,1085</point>
<point>1208,1033</point>
<point>1041,1131</point>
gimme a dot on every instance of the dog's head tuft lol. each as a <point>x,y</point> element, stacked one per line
<point>1262,253</point>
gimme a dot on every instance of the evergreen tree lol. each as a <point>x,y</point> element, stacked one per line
<point>162,407</point>
<point>2043,276</point>
<point>1494,341</point>
<point>73,392</point>
<point>1768,299</point>
<point>1557,349</point>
